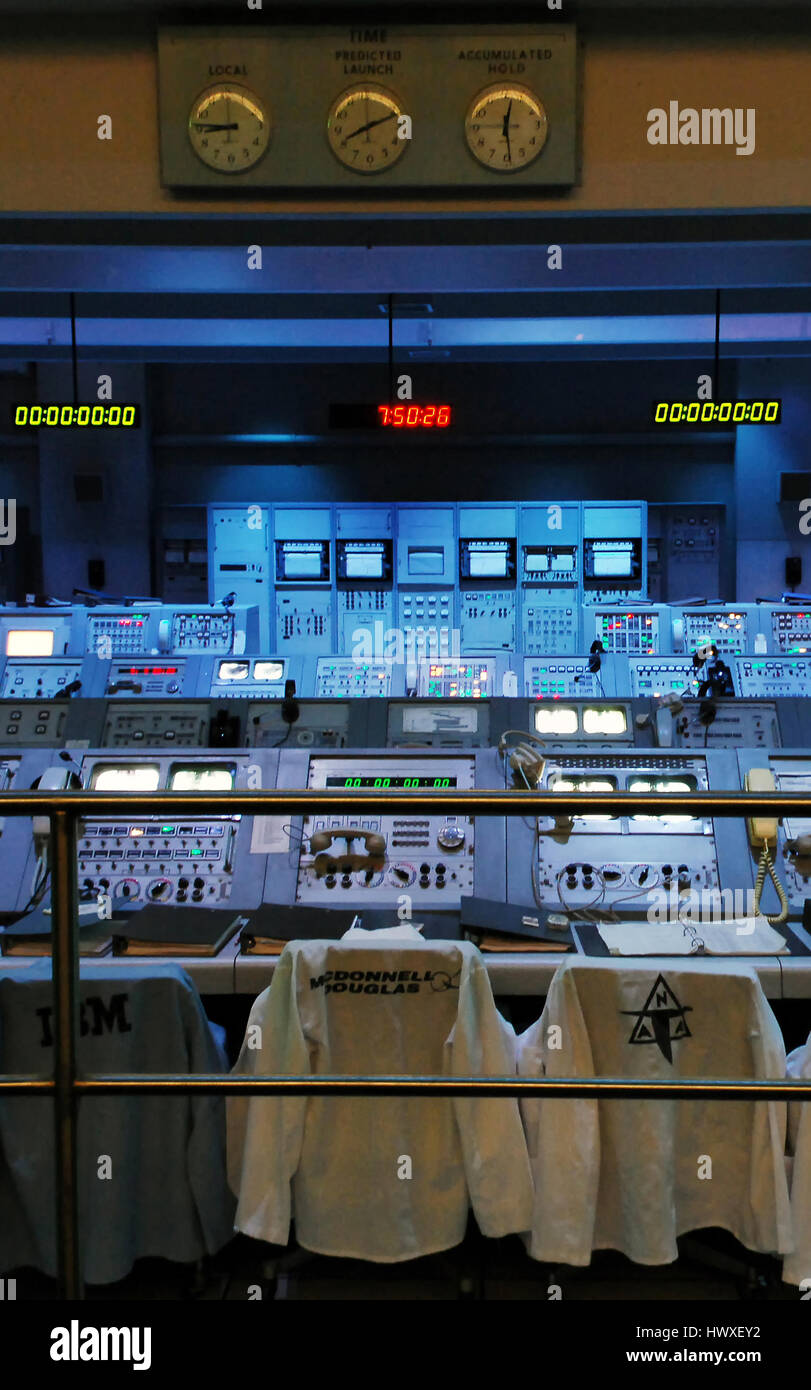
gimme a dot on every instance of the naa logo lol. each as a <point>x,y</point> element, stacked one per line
<point>661,1019</point>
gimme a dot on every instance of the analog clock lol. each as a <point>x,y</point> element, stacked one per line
<point>362,129</point>
<point>506,127</point>
<point>229,128</point>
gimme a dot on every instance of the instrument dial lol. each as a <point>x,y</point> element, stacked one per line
<point>506,127</point>
<point>362,129</point>
<point>229,128</point>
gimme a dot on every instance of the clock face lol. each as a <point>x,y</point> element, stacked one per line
<point>362,129</point>
<point>229,128</point>
<point>506,127</point>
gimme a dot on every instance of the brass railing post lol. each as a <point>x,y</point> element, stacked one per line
<point>64,897</point>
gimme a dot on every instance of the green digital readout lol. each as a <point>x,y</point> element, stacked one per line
<point>383,783</point>
<point>63,415</point>
<point>750,412</point>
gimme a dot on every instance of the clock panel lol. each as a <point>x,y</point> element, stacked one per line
<point>434,74</point>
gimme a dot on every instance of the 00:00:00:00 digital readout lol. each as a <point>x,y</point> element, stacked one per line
<point>756,412</point>
<point>66,415</point>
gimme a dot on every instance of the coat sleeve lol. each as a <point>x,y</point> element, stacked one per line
<point>769,1197</point>
<point>497,1168</point>
<point>798,1066</point>
<point>563,1136</point>
<point>206,1147</point>
<point>797,1266</point>
<point>265,1133</point>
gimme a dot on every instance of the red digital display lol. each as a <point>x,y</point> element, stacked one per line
<point>152,670</point>
<point>412,417</point>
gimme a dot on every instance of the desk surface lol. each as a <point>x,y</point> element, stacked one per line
<point>510,972</point>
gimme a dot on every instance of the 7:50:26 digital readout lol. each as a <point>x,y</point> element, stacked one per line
<point>412,416</point>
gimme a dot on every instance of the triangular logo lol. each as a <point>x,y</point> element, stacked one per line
<point>661,1020</point>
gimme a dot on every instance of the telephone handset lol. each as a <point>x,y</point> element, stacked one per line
<point>761,828</point>
<point>678,632</point>
<point>165,635</point>
<point>762,832</point>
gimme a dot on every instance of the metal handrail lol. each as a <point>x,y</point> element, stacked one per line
<point>517,1087</point>
<point>64,809</point>
<point>471,803</point>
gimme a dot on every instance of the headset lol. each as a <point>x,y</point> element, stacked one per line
<point>326,861</point>
<point>526,762</point>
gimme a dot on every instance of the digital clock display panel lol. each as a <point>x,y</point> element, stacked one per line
<point>384,783</point>
<point>407,416</point>
<point>147,670</point>
<point>750,412</point>
<point>62,415</point>
<point>412,417</point>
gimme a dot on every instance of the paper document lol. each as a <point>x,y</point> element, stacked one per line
<point>752,936</point>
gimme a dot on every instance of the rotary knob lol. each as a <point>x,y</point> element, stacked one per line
<point>451,837</point>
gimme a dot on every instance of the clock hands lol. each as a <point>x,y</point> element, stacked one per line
<point>506,131</point>
<point>212,125</point>
<point>368,126</point>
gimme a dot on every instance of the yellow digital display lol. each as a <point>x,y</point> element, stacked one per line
<point>30,641</point>
<point>757,411</point>
<point>63,415</point>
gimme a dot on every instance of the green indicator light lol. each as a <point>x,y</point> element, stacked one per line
<point>195,853</point>
<point>167,829</point>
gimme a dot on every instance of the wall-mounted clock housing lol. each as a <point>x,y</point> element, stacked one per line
<point>246,108</point>
<point>229,127</point>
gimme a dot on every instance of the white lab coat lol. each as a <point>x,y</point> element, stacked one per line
<point>797,1266</point>
<point>378,1178</point>
<point>633,1175</point>
<point>151,1169</point>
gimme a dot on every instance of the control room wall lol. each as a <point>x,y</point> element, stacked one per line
<point>60,73</point>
